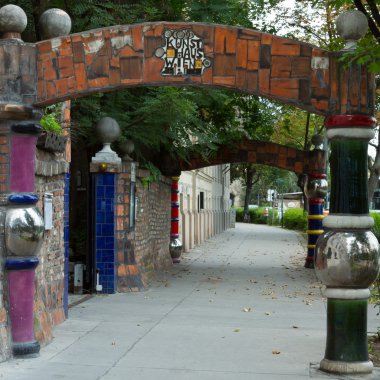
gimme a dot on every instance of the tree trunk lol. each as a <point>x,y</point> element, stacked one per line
<point>248,190</point>
<point>373,180</point>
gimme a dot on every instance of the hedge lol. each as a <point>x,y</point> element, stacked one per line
<point>294,218</point>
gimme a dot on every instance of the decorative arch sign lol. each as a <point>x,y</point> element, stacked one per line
<point>182,53</point>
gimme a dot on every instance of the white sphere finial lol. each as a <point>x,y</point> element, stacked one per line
<point>107,130</point>
<point>12,19</point>
<point>351,26</point>
<point>54,23</point>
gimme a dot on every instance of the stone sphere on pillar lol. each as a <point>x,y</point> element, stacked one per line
<point>54,23</point>
<point>107,130</point>
<point>351,26</point>
<point>12,19</point>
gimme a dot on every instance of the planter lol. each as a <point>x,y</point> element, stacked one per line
<point>51,142</point>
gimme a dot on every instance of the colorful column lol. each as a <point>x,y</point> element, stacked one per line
<point>24,229</point>
<point>23,223</point>
<point>175,247</point>
<point>315,228</point>
<point>347,254</point>
<point>315,189</point>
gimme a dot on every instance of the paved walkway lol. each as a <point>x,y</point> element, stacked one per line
<point>239,307</point>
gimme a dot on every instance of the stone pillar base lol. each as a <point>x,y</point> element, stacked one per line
<point>333,366</point>
<point>26,349</point>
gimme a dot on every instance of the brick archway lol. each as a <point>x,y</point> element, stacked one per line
<point>284,70</point>
<point>256,152</point>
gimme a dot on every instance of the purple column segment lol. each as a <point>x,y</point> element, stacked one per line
<point>21,299</point>
<point>23,153</point>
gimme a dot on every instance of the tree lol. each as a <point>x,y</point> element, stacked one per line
<point>314,21</point>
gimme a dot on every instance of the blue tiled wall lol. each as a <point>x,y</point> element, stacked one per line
<point>105,230</point>
<point>66,236</point>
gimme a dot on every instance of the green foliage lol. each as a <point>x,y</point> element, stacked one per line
<point>366,53</point>
<point>256,215</point>
<point>376,227</point>
<point>154,175</point>
<point>295,219</point>
<point>50,120</point>
<point>375,288</point>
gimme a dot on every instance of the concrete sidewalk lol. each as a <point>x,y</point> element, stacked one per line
<point>239,307</point>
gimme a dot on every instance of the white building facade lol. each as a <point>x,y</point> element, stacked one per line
<point>205,205</point>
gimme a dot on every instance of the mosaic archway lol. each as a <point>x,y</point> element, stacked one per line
<point>191,54</point>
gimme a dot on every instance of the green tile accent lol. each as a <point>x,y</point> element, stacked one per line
<point>349,172</point>
<point>347,330</point>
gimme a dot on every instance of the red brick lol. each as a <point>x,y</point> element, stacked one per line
<point>80,76</point>
<point>285,88</point>
<point>137,37</point>
<point>266,39</point>
<point>44,47</point>
<point>242,52</point>
<point>280,67</point>
<point>50,90</point>
<point>225,40</point>
<point>301,66</point>
<point>285,47</point>
<point>254,51</point>
<point>224,81</point>
<point>264,81</point>
<point>66,68</point>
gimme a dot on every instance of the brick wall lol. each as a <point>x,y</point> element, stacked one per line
<point>4,186</point>
<point>49,283</point>
<point>152,235</point>
<point>145,248</point>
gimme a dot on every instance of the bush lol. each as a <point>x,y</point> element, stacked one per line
<point>295,219</point>
<point>256,216</point>
<point>375,289</point>
<point>376,227</point>
<point>239,214</point>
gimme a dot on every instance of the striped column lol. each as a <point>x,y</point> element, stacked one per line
<point>347,253</point>
<point>24,229</point>
<point>315,189</point>
<point>175,246</point>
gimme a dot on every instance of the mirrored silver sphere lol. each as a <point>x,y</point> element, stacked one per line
<point>175,248</point>
<point>24,228</point>
<point>347,259</point>
<point>54,23</point>
<point>315,188</point>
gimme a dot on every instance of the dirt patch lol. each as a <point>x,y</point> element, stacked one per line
<point>374,349</point>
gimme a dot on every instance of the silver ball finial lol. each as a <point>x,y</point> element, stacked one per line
<point>12,19</point>
<point>351,26</point>
<point>54,23</point>
<point>317,141</point>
